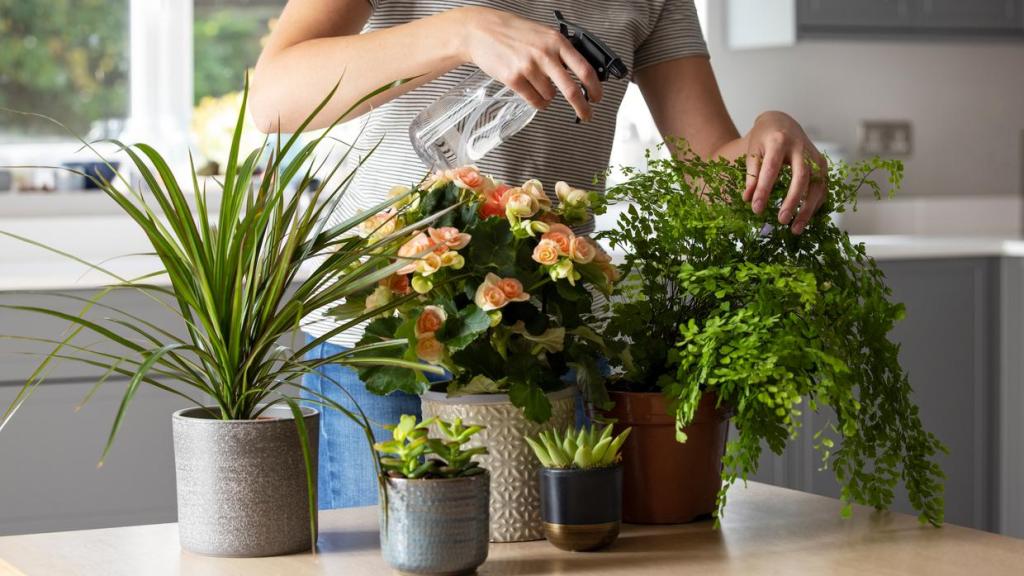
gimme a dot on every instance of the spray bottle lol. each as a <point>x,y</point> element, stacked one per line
<point>480,113</point>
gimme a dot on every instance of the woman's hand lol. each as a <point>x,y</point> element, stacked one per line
<point>778,139</point>
<point>529,58</point>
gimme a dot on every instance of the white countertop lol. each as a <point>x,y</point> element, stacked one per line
<point>106,239</point>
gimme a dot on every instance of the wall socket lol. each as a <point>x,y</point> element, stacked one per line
<point>886,138</point>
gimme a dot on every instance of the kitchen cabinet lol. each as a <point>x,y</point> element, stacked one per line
<point>950,342</point>
<point>827,15</point>
<point>49,454</point>
<point>49,451</point>
<point>909,17</point>
<point>978,16</point>
<point>753,24</point>
<point>49,480</point>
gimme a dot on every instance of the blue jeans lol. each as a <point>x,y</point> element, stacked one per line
<point>347,476</point>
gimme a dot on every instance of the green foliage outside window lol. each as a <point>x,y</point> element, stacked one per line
<point>69,59</point>
<point>64,58</point>
<point>226,38</point>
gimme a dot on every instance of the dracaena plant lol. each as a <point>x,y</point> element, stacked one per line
<point>412,453</point>
<point>582,449</point>
<point>725,301</point>
<point>239,280</point>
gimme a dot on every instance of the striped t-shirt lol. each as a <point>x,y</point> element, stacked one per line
<point>550,148</point>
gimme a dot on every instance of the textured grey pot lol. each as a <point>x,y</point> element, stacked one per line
<point>437,526</point>
<point>515,495</point>
<point>242,483</point>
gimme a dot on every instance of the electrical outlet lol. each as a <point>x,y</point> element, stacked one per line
<point>886,138</point>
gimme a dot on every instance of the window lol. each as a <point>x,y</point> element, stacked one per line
<point>67,59</point>
<point>227,37</point>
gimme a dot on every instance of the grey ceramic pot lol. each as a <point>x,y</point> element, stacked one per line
<point>242,483</point>
<point>436,526</point>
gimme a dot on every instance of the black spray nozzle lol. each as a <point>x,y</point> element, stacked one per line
<point>604,60</point>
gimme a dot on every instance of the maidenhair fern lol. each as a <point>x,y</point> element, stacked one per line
<point>772,322</point>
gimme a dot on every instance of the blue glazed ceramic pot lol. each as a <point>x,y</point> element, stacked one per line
<point>436,526</point>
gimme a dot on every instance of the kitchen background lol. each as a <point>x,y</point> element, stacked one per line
<point>936,83</point>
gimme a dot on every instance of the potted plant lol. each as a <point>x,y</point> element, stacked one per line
<point>436,499</point>
<point>499,301</point>
<point>765,320</point>
<point>580,486</point>
<point>240,280</point>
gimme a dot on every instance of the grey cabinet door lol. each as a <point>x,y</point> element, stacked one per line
<point>19,358</point>
<point>49,452</point>
<point>949,347</point>
<point>920,18</point>
<point>980,15</point>
<point>840,15</point>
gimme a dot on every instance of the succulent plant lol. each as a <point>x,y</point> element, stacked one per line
<point>584,449</point>
<point>412,453</point>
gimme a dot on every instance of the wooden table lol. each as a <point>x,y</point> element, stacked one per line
<point>767,530</point>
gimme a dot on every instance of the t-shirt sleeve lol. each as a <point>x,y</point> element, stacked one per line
<point>676,34</point>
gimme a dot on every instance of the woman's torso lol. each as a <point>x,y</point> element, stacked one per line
<point>550,148</point>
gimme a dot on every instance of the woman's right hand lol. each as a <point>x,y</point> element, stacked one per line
<point>530,58</point>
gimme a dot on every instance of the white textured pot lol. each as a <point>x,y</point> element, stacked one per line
<point>515,495</point>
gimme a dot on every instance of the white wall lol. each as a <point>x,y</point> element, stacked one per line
<point>964,98</point>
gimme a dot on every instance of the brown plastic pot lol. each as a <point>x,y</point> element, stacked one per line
<point>664,481</point>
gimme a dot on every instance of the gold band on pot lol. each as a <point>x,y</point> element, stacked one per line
<point>581,537</point>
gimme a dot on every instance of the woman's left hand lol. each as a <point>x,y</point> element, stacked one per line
<point>778,139</point>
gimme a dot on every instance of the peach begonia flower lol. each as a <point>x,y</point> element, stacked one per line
<point>519,204</point>
<point>468,177</point>
<point>582,250</point>
<point>561,235</point>
<point>571,196</point>
<point>513,289</point>
<point>602,257</point>
<point>453,260</point>
<point>429,264</point>
<point>436,180</point>
<point>489,297</point>
<point>495,292</point>
<point>397,283</point>
<point>429,349</point>
<point>430,320</point>
<point>610,272</point>
<point>413,250</point>
<point>494,201</point>
<point>449,237</point>
<point>546,252</point>
<point>379,225</point>
<point>564,269</point>
<point>540,227</point>
<point>536,189</point>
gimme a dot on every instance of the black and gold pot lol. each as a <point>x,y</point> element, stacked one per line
<point>581,509</point>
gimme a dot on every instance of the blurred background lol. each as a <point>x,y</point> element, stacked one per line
<point>938,84</point>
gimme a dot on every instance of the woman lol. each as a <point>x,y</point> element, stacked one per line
<point>368,43</point>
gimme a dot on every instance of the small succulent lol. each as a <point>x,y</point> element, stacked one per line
<point>584,449</point>
<point>412,453</point>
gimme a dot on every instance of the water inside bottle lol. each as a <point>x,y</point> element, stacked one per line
<point>461,129</point>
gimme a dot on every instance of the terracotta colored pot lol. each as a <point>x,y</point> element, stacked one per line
<point>664,481</point>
